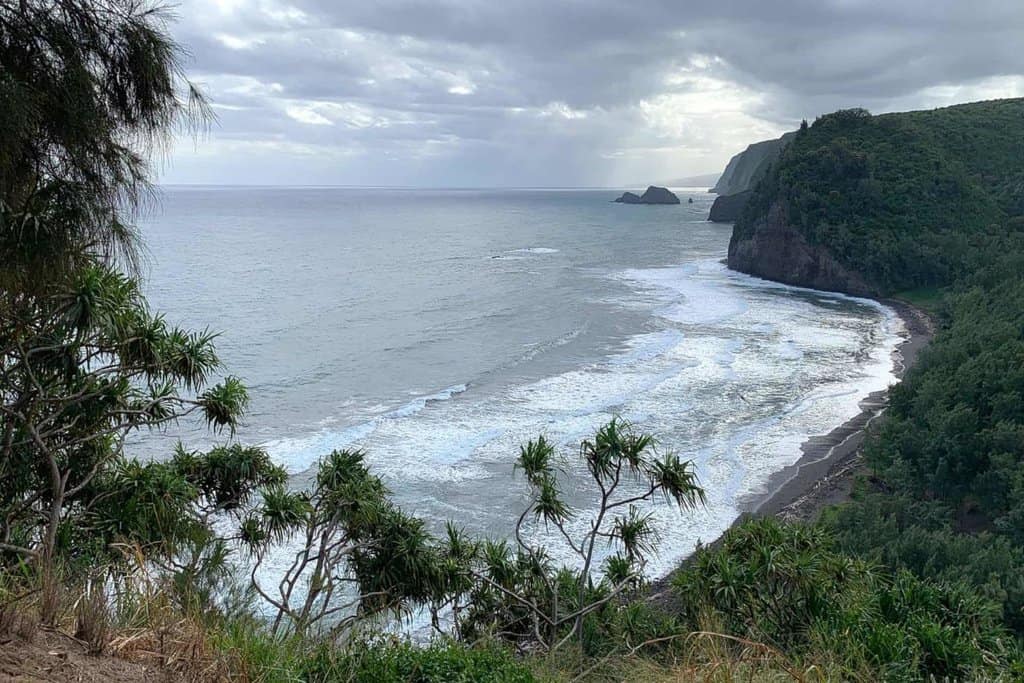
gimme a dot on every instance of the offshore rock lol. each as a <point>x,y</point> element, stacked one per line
<point>658,195</point>
<point>653,195</point>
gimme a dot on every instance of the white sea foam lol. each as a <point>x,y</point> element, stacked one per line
<point>535,250</point>
<point>739,375</point>
<point>693,300</point>
<point>298,454</point>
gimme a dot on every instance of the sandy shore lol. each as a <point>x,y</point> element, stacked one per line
<point>825,472</point>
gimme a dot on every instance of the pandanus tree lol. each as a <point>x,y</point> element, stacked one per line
<point>89,90</point>
<point>353,553</point>
<point>78,373</point>
<point>519,593</point>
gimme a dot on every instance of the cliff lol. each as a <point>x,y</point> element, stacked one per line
<point>777,250</point>
<point>727,207</point>
<point>876,205</point>
<point>749,166</point>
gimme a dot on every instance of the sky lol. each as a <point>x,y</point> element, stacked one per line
<point>558,93</point>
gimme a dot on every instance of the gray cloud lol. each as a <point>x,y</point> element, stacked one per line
<point>476,92</point>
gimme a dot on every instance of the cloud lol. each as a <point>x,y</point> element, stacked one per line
<point>307,115</point>
<point>561,92</point>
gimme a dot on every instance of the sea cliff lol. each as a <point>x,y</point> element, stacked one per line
<point>777,250</point>
<point>727,207</point>
<point>750,165</point>
<point>876,205</point>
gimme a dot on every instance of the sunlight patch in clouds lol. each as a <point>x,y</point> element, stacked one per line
<point>308,116</point>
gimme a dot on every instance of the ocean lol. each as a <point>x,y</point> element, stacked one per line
<point>440,329</point>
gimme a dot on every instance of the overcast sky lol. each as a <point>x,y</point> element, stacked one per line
<point>560,93</point>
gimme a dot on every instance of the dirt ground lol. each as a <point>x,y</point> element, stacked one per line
<point>51,656</point>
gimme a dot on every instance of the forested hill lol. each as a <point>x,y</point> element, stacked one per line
<point>914,204</point>
<point>875,205</point>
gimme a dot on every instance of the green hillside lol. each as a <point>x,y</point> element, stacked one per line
<point>905,200</point>
<point>163,564</point>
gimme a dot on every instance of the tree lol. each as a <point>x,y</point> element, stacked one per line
<point>169,512</point>
<point>79,372</point>
<point>358,554</point>
<point>88,90</point>
<point>517,592</point>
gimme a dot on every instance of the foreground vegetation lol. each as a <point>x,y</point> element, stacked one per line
<point>161,560</point>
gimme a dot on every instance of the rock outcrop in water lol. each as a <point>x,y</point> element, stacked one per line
<point>726,208</point>
<point>653,195</point>
<point>658,195</point>
<point>629,198</point>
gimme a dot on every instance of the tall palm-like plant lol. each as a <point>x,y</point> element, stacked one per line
<point>89,90</point>
<point>78,374</point>
<point>517,591</point>
<point>356,552</point>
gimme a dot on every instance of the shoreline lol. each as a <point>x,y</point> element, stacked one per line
<point>824,474</point>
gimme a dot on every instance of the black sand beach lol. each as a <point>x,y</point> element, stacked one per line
<point>825,473</point>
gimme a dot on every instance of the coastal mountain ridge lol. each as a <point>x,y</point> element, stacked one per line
<point>874,205</point>
<point>749,166</point>
<point>744,171</point>
<point>925,207</point>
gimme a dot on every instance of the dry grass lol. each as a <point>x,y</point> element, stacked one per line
<point>98,626</point>
<point>707,656</point>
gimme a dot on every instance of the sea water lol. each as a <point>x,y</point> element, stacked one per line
<point>440,329</point>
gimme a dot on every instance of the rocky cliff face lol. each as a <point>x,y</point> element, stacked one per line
<point>726,208</point>
<point>749,166</point>
<point>773,249</point>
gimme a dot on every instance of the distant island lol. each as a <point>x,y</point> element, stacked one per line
<point>653,195</point>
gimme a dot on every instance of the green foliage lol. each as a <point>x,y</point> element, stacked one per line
<point>358,553</point>
<point>900,531</point>
<point>398,662</point>
<point>87,87</point>
<point>951,451</point>
<point>905,200</point>
<point>253,653</point>
<point>786,585</point>
<point>956,428</point>
<point>515,592</point>
<point>82,369</point>
<point>928,299</point>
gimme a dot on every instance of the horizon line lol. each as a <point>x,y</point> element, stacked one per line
<point>421,187</point>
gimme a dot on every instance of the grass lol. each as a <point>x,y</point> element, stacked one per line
<point>928,299</point>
